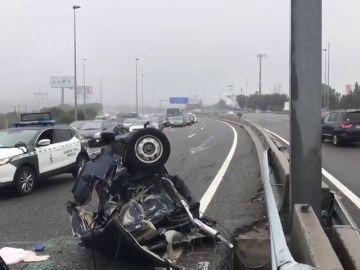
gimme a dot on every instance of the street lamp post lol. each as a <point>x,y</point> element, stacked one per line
<point>75,81</point>
<point>136,86</point>
<point>260,56</point>
<point>142,95</point>
<point>325,81</point>
<point>84,93</point>
<point>246,95</point>
<point>84,87</point>
<point>160,102</point>
<point>328,76</point>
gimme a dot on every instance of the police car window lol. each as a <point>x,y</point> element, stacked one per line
<point>47,134</point>
<point>62,135</point>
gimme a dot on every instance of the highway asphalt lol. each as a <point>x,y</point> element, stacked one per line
<point>340,161</point>
<point>198,153</point>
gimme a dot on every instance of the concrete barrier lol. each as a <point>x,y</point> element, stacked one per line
<point>309,243</point>
<point>346,242</point>
<point>340,249</point>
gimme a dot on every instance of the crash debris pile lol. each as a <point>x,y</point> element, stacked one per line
<point>143,212</point>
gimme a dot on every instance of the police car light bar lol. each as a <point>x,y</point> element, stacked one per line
<point>35,119</point>
<point>35,116</point>
<point>34,123</point>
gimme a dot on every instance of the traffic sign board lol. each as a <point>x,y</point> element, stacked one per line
<point>178,100</point>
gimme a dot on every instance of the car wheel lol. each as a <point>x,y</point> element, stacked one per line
<point>80,162</point>
<point>336,140</point>
<point>147,148</point>
<point>25,179</point>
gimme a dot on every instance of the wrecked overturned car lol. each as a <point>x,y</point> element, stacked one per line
<point>141,212</point>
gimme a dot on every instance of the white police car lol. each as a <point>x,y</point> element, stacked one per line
<point>36,148</point>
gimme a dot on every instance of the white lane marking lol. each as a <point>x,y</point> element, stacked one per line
<point>340,186</point>
<point>210,192</point>
<point>192,135</point>
<point>347,192</point>
<point>202,146</point>
<point>276,135</point>
<point>202,128</point>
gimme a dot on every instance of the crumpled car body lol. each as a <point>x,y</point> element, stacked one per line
<point>142,212</point>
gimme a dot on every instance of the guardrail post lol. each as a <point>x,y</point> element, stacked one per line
<point>305,126</point>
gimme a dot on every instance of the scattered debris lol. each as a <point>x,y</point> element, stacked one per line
<point>39,248</point>
<point>15,255</point>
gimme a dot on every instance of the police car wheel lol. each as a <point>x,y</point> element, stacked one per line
<point>80,161</point>
<point>25,180</point>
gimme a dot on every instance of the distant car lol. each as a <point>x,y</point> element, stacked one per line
<point>91,130</point>
<point>140,124</point>
<point>188,120</point>
<point>37,150</point>
<point>193,118</point>
<point>113,118</point>
<point>102,117</point>
<point>157,123</point>
<point>177,121</point>
<point>341,126</point>
<point>129,122</point>
<point>165,121</point>
<point>99,117</point>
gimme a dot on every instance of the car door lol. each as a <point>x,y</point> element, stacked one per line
<point>67,147</point>
<point>46,153</point>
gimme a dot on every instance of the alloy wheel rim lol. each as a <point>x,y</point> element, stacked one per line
<point>26,181</point>
<point>148,149</point>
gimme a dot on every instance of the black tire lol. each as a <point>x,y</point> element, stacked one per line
<point>80,161</point>
<point>147,148</point>
<point>25,180</point>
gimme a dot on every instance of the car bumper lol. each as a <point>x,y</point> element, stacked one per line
<point>177,124</point>
<point>7,174</point>
<point>350,137</point>
<point>94,142</point>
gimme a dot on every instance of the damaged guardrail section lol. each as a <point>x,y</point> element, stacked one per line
<point>335,249</point>
<point>307,241</point>
<point>279,163</point>
<point>281,257</point>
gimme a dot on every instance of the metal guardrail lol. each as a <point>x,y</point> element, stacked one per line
<point>281,257</point>
<point>279,163</point>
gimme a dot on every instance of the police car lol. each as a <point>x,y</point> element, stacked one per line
<point>35,148</point>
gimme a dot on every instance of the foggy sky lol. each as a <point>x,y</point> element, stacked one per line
<point>186,47</point>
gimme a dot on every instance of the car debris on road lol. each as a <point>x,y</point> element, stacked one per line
<point>143,212</point>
